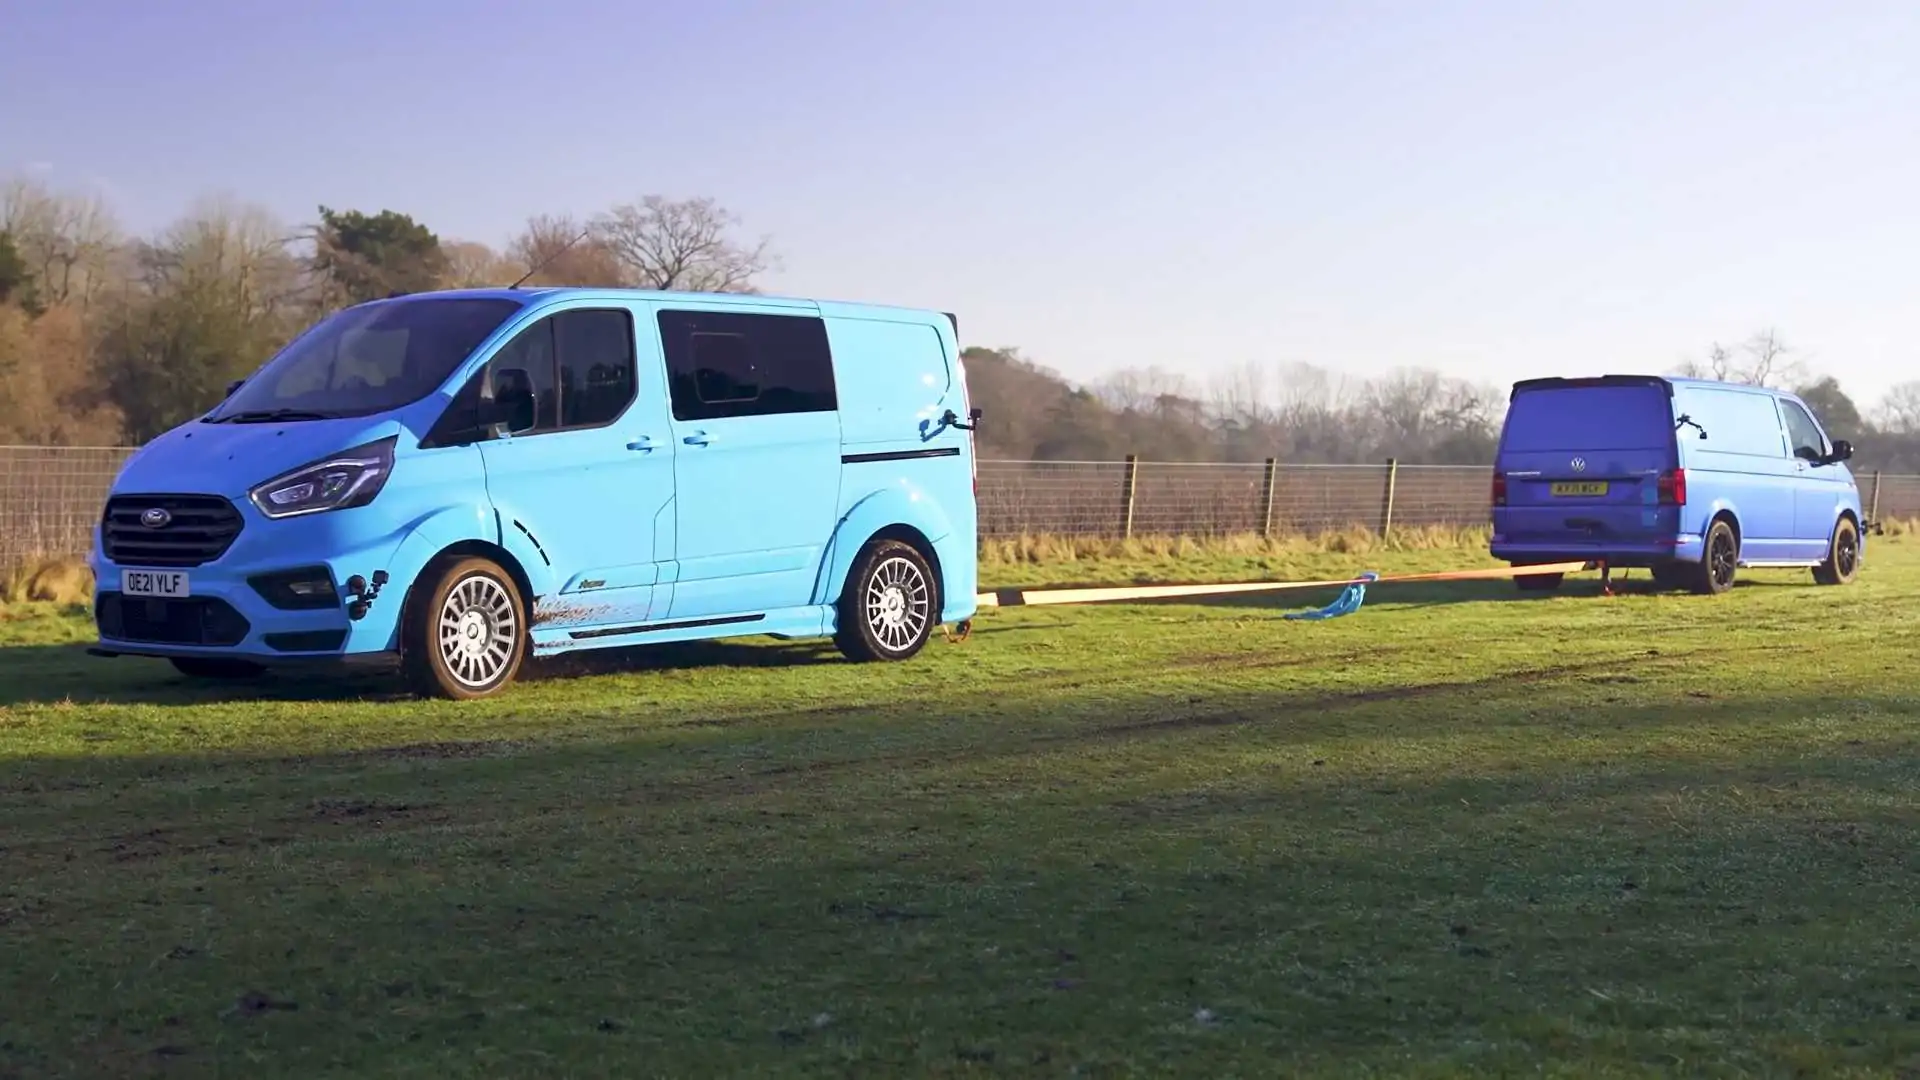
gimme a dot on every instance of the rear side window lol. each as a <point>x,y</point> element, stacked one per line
<point>723,364</point>
<point>1587,418</point>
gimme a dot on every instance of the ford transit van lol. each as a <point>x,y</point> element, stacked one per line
<point>1689,478</point>
<point>451,482</point>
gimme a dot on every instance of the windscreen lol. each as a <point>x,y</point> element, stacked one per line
<point>1586,418</point>
<point>368,359</point>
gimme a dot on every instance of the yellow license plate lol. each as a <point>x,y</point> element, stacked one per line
<point>1583,487</point>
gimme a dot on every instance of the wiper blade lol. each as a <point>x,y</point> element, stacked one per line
<point>267,416</point>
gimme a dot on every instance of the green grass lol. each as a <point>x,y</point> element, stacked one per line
<point>1458,833</point>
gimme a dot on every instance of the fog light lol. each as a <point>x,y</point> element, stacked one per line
<point>306,589</point>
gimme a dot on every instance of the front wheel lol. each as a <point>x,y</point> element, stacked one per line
<point>890,604</point>
<point>1843,555</point>
<point>466,637</point>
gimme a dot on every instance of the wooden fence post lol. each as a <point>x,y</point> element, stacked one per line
<point>1873,511</point>
<point>1386,498</point>
<point>1126,496</point>
<point>1266,497</point>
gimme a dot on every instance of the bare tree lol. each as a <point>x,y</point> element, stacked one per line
<point>682,245</point>
<point>68,242</point>
<point>473,265</point>
<point>560,251</point>
<point>1763,360</point>
<point>1139,389</point>
<point>1899,411</point>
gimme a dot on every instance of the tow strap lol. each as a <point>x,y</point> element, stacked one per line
<point>1353,590</point>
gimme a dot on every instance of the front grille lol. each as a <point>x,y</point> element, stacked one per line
<point>199,529</point>
<point>200,620</point>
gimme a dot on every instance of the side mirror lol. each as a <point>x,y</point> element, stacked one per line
<point>513,401</point>
<point>232,386</point>
<point>1842,450</point>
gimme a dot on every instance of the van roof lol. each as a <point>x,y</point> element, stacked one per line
<point>527,293</point>
<point>1668,381</point>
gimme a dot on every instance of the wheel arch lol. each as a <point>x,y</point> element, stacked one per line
<point>427,578</point>
<point>903,513</point>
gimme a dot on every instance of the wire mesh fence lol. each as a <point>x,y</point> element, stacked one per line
<point>50,498</point>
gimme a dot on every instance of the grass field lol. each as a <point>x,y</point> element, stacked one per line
<point>1457,833</point>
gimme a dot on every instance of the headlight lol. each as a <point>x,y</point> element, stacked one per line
<point>347,479</point>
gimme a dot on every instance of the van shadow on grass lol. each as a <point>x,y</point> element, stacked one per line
<point>52,674</point>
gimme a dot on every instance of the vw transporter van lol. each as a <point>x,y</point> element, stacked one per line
<point>450,482</point>
<point>1690,478</point>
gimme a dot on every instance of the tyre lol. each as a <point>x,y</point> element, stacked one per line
<point>890,605</point>
<point>1719,562</point>
<point>466,636</point>
<point>1843,555</point>
<point>1539,582</point>
<point>215,667</point>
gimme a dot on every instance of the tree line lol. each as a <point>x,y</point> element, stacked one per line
<point>108,338</point>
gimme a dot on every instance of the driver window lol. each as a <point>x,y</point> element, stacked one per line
<point>532,351</point>
<point>1803,432</point>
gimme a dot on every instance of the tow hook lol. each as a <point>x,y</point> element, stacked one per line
<point>363,597</point>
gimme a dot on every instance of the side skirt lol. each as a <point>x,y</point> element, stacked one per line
<point>802,622</point>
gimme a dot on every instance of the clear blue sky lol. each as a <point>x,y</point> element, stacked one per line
<point>1498,189</point>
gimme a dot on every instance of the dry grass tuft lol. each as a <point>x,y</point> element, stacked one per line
<point>64,581</point>
<point>1354,540</point>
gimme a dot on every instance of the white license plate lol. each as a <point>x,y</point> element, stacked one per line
<point>153,582</point>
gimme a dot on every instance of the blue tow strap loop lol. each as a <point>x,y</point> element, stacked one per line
<point>1349,602</point>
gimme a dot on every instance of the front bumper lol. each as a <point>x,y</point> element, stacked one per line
<point>226,610</point>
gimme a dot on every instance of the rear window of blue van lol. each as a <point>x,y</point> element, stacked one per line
<point>1588,418</point>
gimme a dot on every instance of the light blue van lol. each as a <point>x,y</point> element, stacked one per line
<point>1687,477</point>
<point>452,481</point>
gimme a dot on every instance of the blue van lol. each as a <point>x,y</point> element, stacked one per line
<point>450,482</point>
<point>1689,478</point>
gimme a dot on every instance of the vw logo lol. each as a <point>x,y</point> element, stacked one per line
<point>155,517</point>
<point>1579,464</point>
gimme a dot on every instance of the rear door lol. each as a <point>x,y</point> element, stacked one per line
<point>1582,460</point>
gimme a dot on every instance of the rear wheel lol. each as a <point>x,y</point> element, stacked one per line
<point>1843,555</point>
<point>1719,562</point>
<point>890,604</point>
<point>213,667</point>
<point>466,637</point>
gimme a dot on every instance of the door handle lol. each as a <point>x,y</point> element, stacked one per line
<point>644,443</point>
<point>698,438</point>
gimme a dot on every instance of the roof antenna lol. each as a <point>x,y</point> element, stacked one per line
<point>542,265</point>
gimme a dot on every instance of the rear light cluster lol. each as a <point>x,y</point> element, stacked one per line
<point>1673,487</point>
